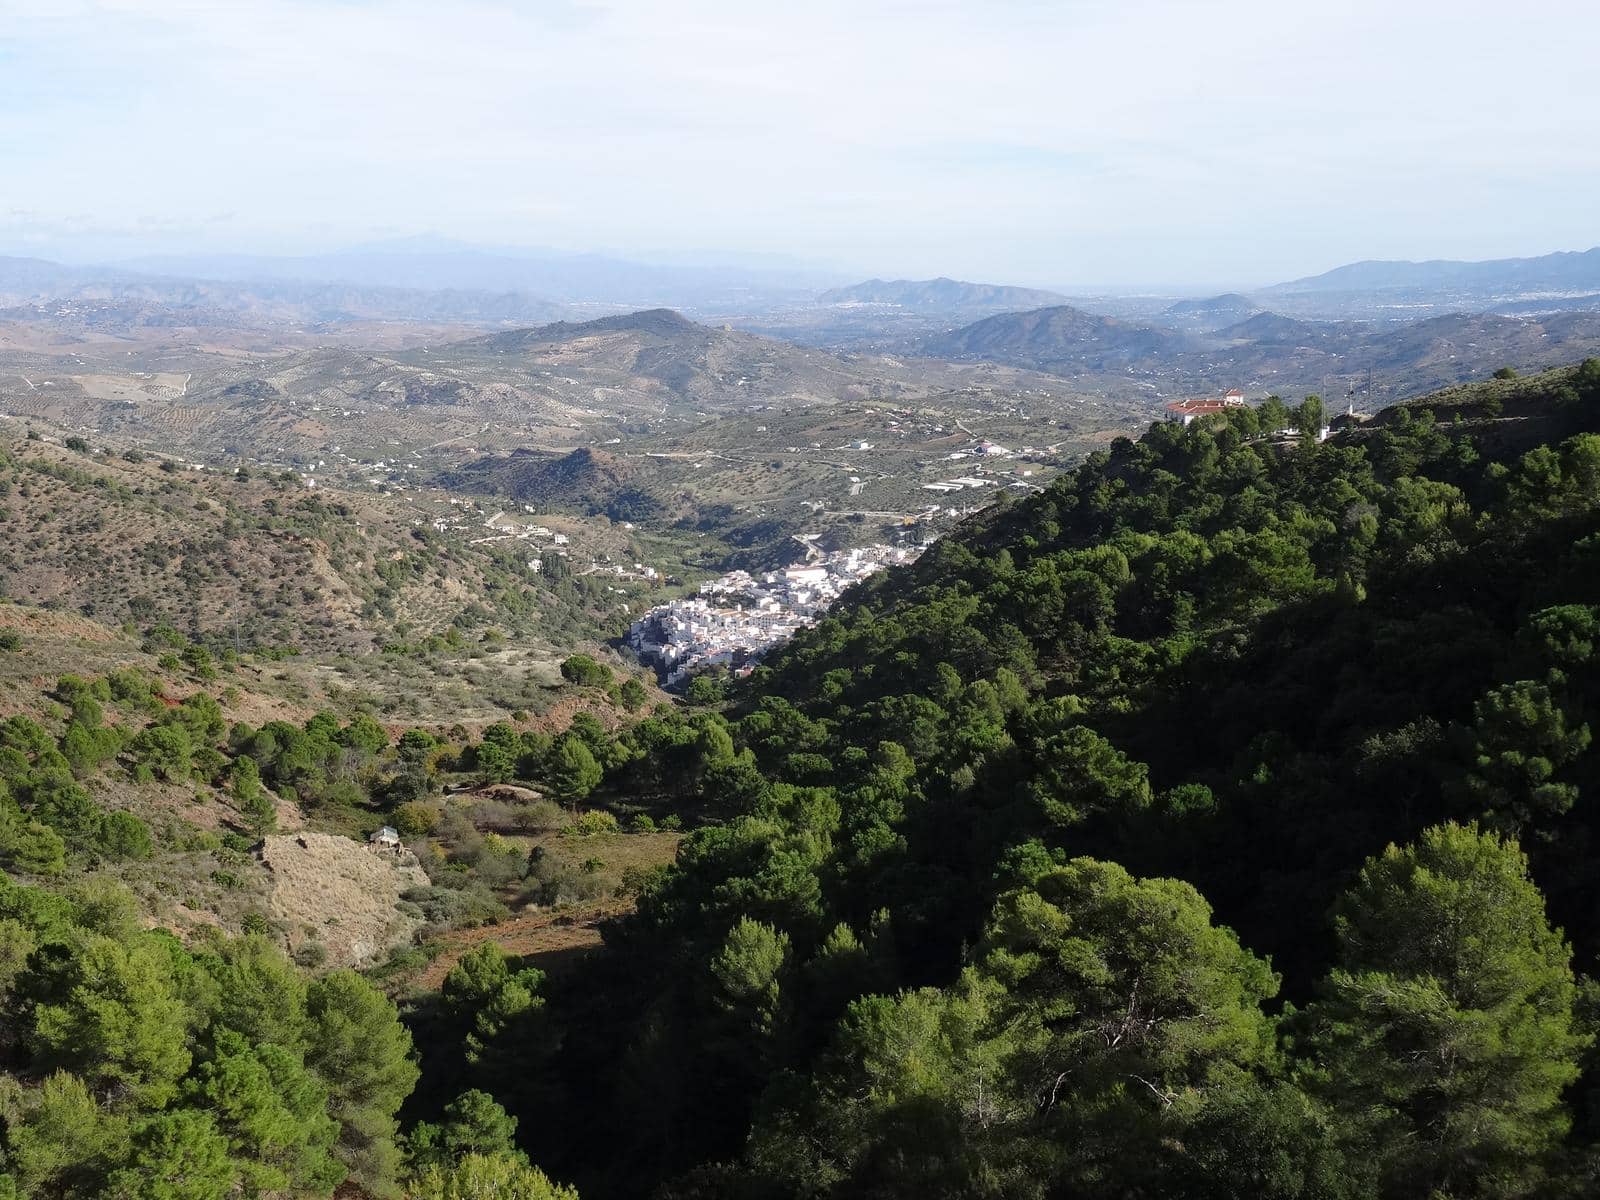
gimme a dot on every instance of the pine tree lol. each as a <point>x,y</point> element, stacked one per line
<point>1446,1033</point>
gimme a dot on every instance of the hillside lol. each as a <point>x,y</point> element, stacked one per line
<point>1211,312</point>
<point>1274,352</point>
<point>585,480</point>
<point>660,355</point>
<point>946,295</point>
<point>1059,339</point>
<point>1073,798</point>
<point>1229,303</point>
<point>1251,770</point>
<point>254,562</point>
<point>185,869</point>
<point>1268,328</point>
<point>348,404</point>
<point>722,443</point>
<point>660,323</point>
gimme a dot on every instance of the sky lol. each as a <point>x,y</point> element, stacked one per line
<point>1070,143</point>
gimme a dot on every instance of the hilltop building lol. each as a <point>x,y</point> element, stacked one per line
<point>1188,410</point>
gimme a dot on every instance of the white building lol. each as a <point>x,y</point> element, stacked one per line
<point>737,618</point>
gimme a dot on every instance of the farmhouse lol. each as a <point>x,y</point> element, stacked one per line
<point>1188,410</point>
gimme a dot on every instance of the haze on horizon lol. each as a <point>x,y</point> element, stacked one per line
<point>1088,142</point>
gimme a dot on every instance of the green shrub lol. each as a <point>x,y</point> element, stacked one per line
<point>585,671</point>
<point>201,840</point>
<point>540,816</point>
<point>633,694</point>
<point>415,819</point>
<point>467,903</point>
<point>594,822</point>
<point>703,689</point>
<point>166,750</point>
<point>555,880</point>
<point>123,835</point>
<point>28,845</point>
<point>132,687</point>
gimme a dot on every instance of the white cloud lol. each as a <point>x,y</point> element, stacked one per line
<point>1048,142</point>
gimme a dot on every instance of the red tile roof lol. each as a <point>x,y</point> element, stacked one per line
<point>1199,406</point>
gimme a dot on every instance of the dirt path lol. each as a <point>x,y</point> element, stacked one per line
<point>547,936</point>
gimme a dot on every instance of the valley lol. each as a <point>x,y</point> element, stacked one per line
<point>856,601</point>
<point>637,681</point>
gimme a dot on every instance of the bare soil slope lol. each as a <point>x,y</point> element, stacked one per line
<point>342,893</point>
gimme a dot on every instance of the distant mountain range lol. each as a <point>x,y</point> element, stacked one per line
<point>576,279</point>
<point>1271,351</point>
<point>1563,271</point>
<point>113,295</point>
<point>422,279</point>
<point>951,295</point>
<point>1345,321</point>
<point>431,280</point>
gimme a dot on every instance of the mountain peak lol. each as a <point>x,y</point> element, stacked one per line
<point>654,322</point>
<point>660,321</point>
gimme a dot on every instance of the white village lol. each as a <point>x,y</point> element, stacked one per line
<point>739,617</point>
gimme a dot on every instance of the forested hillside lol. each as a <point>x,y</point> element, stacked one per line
<point>179,916</point>
<point>1212,824</point>
<point>1215,823</point>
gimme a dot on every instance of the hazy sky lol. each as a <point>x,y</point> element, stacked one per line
<point>1068,143</point>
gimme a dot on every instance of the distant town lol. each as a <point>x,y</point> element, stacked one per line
<point>739,617</point>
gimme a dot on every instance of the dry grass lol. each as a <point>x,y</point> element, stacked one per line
<point>553,937</point>
<point>341,893</point>
<point>548,938</point>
